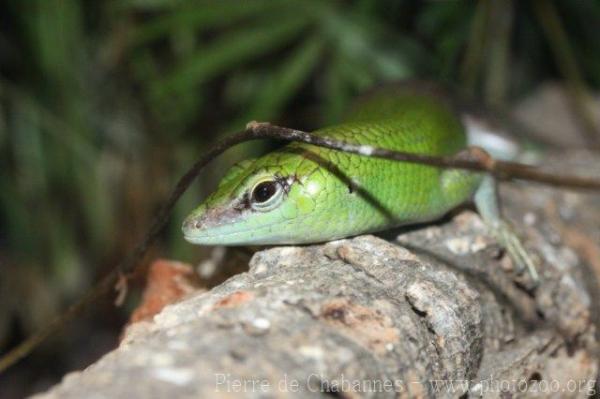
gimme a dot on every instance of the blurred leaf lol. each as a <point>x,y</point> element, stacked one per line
<point>335,90</point>
<point>363,42</point>
<point>229,51</point>
<point>27,149</point>
<point>202,15</point>
<point>447,26</point>
<point>285,82</point>
<point>123,5</point>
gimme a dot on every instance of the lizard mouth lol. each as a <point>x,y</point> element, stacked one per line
<point>224,234</point>
<point>209,224</point>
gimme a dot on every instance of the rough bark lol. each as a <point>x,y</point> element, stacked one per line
<point>417,315</point>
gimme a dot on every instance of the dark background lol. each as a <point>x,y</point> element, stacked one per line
<point>104,104</point>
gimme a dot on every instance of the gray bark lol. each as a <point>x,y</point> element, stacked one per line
<point>437,311</point>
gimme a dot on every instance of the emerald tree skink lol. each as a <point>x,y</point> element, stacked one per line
<point>306,194</point>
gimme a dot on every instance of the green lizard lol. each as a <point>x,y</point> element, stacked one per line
<point>306,194</point>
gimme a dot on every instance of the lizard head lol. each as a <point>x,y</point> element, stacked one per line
<point>262,202</point>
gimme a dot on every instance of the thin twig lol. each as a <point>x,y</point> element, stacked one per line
<point>502,170</point>
<point>133,263</point>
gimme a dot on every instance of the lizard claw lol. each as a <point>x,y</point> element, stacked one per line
<point>504,233</point>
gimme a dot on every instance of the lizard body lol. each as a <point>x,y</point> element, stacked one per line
<point>306,194</point>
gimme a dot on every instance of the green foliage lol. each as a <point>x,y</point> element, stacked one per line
<point>264,53</point>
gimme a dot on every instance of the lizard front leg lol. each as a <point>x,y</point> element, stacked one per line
<point>487,203</point>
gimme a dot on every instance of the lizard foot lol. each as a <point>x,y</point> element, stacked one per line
<point>505,235</point>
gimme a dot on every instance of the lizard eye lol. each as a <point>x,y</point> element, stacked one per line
<point>265,195</point>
